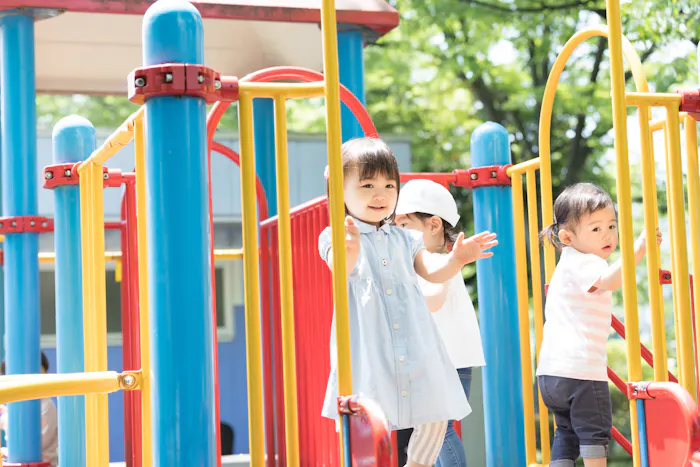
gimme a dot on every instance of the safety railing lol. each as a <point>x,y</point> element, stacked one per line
<point>529,169</point>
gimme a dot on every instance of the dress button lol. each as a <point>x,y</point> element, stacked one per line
<point>401,358</point>
<point>404,393</point>
<point>396,325</point>
<point>388,291</point>
<point>385,262</point>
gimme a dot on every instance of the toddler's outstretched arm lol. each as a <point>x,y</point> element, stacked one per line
<point>612,278</point>
<point>441,268</point>
<point>352,245</point>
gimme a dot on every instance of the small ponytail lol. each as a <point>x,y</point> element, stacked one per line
<point>551,234</point>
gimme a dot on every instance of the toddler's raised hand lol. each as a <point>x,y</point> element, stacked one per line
<point>474,248</point>
<point>352,236</point>
<point>641,244</point>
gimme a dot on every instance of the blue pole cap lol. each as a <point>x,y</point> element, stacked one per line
<point>73,139</point>
<point>172,33</point>
<point>490,145</point>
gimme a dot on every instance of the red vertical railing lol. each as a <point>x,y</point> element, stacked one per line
<point>313,309</point>
<point>131,336</point>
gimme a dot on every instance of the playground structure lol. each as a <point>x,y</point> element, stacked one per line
<point>175,329</point>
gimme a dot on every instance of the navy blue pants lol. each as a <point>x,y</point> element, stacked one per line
<point>583,413</point>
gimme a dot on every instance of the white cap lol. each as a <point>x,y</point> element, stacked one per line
<point>428,197</point>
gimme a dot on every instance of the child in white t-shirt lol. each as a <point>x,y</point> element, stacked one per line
<point>572,370</point>
<point>49,421</point>
<point>429,209</point>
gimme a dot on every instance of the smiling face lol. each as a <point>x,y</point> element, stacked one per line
<point>371,199</point>
<point>594,233</point>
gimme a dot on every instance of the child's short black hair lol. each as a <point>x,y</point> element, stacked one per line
<point>575,201</point>
<point>44,364</point>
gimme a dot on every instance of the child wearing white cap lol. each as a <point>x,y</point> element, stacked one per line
<point>429,209</point>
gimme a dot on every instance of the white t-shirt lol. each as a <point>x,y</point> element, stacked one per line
<point>577,323</point>
<point>49,430</point>
<point>457,324</point>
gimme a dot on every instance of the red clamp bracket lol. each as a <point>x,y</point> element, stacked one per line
<point>638,390</point>
<point>690,102</point>
<point>113,178</point>
<point>476,177</point>
<point>348,405</point>
<point>67,174</point>
<point>665,277</point>
<point>19,224</point>
<point>180,79</point>
<point>60,175</point>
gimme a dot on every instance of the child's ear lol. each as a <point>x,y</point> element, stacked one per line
<point>565,236</point>
<point>435,225</point>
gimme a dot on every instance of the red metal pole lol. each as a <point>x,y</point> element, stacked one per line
<point>212,122</point>
<point>131,348</point>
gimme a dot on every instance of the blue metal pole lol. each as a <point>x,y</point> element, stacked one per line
<point>19,190</point>
<point>177,214</point>
<point>73,141</point>
<point>498,307</point>
<point>264,127</point>
<point>642,427</point>
<point>352,75</point>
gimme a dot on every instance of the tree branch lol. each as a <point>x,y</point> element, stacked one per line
<point>543,7</point>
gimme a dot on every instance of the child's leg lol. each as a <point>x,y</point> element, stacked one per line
<point>425,444</point>
<point>591,414</point>
<point>556,394</point>
<point>452,453</point>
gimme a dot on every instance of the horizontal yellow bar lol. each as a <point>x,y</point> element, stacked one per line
<point>228,255</point>
<point>15,388</point>
<point>50,256</point>
<point>282,90</point>
<point>219,254</point>
<point>652,99</point>
<point>116,141</point>
<point>517,169</point>
<point>658,125</point>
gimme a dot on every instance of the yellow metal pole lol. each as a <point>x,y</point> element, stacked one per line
<point>521,168</point>
<point>650,224</point>
<point>144,327</point>
<point>336,200</point>
<point>660,124</point>
<point>32,387</point>
<point>228,254</point>
<point>220,254</point>
<point>282,90</point>
<point>533,228</point>
<point>679,250</point>
<point>624,199</point>
<point>95,309</point>
<point>655,282</point>
<point>286,285</point>
<point>672,241</point>
<point>121,137</point>
<point>252,282</point>
<point>652,99</point>
<point>691,141</point>
<point>524,320</point>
